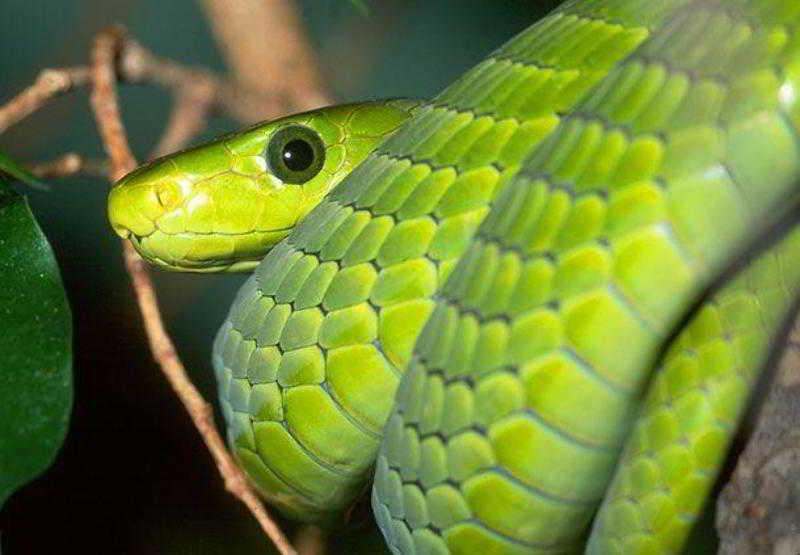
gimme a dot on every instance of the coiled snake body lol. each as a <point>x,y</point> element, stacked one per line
<point>530,257</point>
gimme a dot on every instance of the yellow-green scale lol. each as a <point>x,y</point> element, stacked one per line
<point>370,257</point>
<point>550,324</point>
<point>698,394</point>
<point>633,149</point>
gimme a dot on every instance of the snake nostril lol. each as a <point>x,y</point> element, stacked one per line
<point>168,195</point>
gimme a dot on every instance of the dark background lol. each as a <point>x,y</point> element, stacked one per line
<point>133,475</point>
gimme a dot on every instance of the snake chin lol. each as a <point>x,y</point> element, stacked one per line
<point>158,248</point>
<point>123,233</point>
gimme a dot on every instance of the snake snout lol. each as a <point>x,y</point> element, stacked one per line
<point>125,215</point>
<point>135,203</point>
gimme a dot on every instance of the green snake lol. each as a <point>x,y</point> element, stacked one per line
<point>522,306</point>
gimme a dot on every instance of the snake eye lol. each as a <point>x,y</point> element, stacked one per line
<point>295,154</point>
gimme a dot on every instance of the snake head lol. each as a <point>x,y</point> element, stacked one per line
<point>221,206</point>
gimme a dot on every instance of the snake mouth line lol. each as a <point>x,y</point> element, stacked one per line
<point>151,247</point>
<point>128,234</point>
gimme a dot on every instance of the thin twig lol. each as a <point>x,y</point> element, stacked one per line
<point>105,104</point>
<point>49,84</point>
<point>136,64</point>
<point>69,164</point>
<point>310,540</point>
<point>192,104</point>
<point>139,65</point>
<point>106,109</point>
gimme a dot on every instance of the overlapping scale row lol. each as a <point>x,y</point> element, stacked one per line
<point>697,397</point>
<point>537,352</point>
<point>330,317</point>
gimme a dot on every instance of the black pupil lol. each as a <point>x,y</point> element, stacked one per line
<point>297,155</point>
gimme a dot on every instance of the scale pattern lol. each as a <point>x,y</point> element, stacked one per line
<point>508,423</point>
<point>695,402</point>
<point>623,151</point>
<point>310,356</point>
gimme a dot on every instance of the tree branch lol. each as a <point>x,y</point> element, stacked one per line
<point>106,109</point>
<point>284,77</point>
<point>759,509</point>
<point>265,46</point>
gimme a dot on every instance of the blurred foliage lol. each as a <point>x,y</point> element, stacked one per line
<point>35,345</point>
<point>11,168</point>
<point>361,6</point>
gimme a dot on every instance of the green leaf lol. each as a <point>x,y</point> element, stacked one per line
<point>35,348</point>
<point>14,169</point>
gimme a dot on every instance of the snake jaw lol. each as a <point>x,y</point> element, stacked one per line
<point>205,252</point>
<point>122,232</point>
<point>173,224</point>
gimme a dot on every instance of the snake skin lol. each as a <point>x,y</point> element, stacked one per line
<point>624,152</point>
